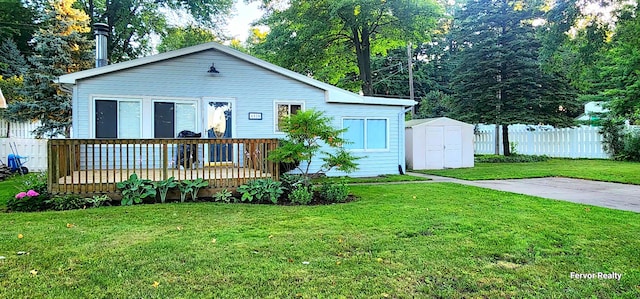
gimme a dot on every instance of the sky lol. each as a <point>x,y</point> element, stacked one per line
<point>239,24</point>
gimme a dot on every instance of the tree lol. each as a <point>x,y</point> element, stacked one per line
<point>497,74</point>
<point>60,47</point>
<point>12,63</point>
<point>334,39</point>
<point>17,23</point>
<point>620,67</point>
<point>133,22</point>
<point>306,131</point>
<point>178,37</point>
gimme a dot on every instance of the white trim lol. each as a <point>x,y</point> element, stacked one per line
<point>118,99</point>
<point>334,94</point>
<point>365,149</point>
<point>174,100</point>
<point>275,112</point>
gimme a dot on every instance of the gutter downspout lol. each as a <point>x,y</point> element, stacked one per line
<point>401,137</point>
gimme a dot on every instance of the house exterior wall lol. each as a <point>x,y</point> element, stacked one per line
<point>249,87</point>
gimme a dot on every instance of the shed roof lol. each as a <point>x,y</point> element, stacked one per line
<point>339,95</point>
<point>438,121</point>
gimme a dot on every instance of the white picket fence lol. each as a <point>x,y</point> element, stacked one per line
<point>577,142</point>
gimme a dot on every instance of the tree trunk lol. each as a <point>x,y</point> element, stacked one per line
<point>505,140</point>
<point>363,53</point>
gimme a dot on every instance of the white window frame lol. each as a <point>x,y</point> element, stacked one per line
<point>365,149</point>
<point>275,112</point>
<point>197,121</point>
<point>92,113</point>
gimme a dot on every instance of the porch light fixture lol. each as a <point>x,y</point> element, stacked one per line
<point>212,69</point>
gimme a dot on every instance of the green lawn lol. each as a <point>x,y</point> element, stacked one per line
<point>600,170</point>
<point>389,178</point>
<point>407,240</point>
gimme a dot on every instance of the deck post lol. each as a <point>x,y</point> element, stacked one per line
<point>165,161</point>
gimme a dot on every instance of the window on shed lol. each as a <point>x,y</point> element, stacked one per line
<point>117,119</point>
<point>365,133</point>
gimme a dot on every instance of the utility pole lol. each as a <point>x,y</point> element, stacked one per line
<point>410,67</point>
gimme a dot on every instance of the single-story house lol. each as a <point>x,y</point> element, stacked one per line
<point>220,92</point>
<point>437,143</point>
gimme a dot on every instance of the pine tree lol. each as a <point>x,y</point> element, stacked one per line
<point>60,47</point>
<point>12,63</point>
<point>497,74</point>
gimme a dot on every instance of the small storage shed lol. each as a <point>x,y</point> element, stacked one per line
<point>437,143</point>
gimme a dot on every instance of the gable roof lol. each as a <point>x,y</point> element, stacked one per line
<point>335,94</point>
<point>434,121</point>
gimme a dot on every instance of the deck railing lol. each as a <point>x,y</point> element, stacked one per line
<point>84,166</point>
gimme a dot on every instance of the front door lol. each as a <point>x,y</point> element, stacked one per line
<point>219,122</point>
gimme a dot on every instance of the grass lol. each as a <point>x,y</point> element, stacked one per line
<point>599,170</point>
<point>388,178</point>
<point>407,240</point>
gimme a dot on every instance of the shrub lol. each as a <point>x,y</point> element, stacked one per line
<point>301,195</point>
<point>74,202</point>
<point>510,159</point>
<point>612,132</point>
<point>261,190</point>
<point>306,132</point>
<point>334,192</point>
<point>223,195</point>
<point>29,201</point>
<point>631,148</point>
<point>67,202</point>
<point>135,189</point>
<point>293,181</point>
<point>33,181</point>
<point>97,201</point>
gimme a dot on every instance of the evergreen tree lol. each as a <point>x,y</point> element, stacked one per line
<point>12,63</point>
<point>497,74</point>
<point>60,47</point>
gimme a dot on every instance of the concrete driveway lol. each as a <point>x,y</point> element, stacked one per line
<point>602,194</point>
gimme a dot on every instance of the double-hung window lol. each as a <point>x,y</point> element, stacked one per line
<point>169,118</point>
<point>118,118</point>
<point>365,133</point>
<point>284,109</point>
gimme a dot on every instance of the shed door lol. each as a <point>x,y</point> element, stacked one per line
<point>435,148</point>
<point>453,147</point>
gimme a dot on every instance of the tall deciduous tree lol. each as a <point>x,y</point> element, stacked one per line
<point>620,66</point>
<point>334,39</point>
<point>133,22</point>
<point>60,47</point>
<point>178,37</point>
<point>497,74</point>
<point>16,23</point>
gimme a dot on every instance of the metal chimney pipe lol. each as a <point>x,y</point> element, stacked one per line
<point>101,31</point>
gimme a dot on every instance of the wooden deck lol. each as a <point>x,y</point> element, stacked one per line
<point>83,166</point>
